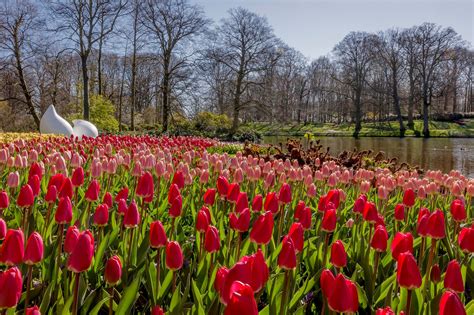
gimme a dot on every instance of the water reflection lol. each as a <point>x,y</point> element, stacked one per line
<point>442,154</point>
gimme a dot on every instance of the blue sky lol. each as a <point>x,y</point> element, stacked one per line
<point>315,26</point>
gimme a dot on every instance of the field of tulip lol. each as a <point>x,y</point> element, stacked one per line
<point>148,225</point>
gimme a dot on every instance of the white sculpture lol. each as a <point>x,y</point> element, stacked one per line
<point>51,122</point>
<point>84,128</point>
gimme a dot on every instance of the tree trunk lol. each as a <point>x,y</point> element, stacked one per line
<point>24,86</point>
<point>358,113</point>
<point>411,102</point>
<point>85,87</point>
<point>132,87</point>
<point>236,107</point>
<point>165,93</point>
<point>99,67</point>
<point>426,104</point>
<point>396,103</point>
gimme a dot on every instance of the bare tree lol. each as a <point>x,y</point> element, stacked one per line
<point>389,49</point>
<point>243,41</point>
<point>86,23</point>
<point>174,24</point>
<point>18,20</point>
<point>354,57</point>
<point>433,44</point>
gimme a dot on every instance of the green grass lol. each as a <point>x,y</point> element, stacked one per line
<point>380,129</point>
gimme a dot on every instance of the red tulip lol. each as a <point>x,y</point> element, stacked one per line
<point>156,310</point>
<point>287,256</point>
<point>174,256</point>
<point>241,300</point>
<point>219,282</point>
<point>210,196</point>
<point>222,186</point>
<point>330,200</point>
<point>34,310</point>
<point>108,200</point>
<point>304,217</point>
<point>145,186</point>
<point>399,212</point>
<point>57,180</point>
<point>242,202</point>
<point>122,207</point>
<point>34,249</point>
<point>453,277</point>
<point>132,216</point>
<point>66,189</point>
<point>233,192</point>
<point>35,184</point>
<point>212,241</point>
<point>113,270</point>
<point>122,194</point>
<point>450,304</point>
<point>176,207</point>
<point>4,201</point>
<point>422,222</point>
<point>296,233</point>
<point>436,225</point>
<point>329,220</point>
<point>359,204</point>
<point>262,229</point>
<point>77,178</point>
<point>402,242</point>
<point>370,212</point>
<point>338,254</point>
<point>258,270</point>
<point>284,196</point>
<point>385,311</point>
<point>35,170</point>
<point>11,283</point>
<point>326,281</point>
<point>408,274</point>
<point>173,193</point>
<point>12,250</point>
<point>240,223</point>
<point>271,202</point>
<point>299,207</point>
<point>178,179</point>
<point>466,239</point>
<point>344,297</point>
<point>458,210</point>
<point>409,197</point>
<point>157,235</point>
<point>70,240</point>
<point>3,229</point>
<point>26,197</point>
<point>82,254</point>
<point>101,215</point>
<point>257,203</point>
<point>51,194</point>
<point>379,239</point>
<point>435,273</point>
<point>64,211</point>
<point>92,193</point>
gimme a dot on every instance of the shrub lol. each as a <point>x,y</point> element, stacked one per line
<point>211,124</point>
<point>101,114</point>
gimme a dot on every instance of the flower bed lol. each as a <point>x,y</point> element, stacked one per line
<point>150,225</point>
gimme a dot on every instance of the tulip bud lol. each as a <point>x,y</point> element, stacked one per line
<point>242,300</point>
<point>92,193</point>
<point>132,216</point>
<point>402,242</point>
<point>450,304</point>
<point>222,186</point>
<point>409,197</point>
<point>338,254</point>
<point>379,239</point>
<point>435,274</point>
<point>296,233</point>
<point>458,210</point>
<point>64,211</point>
<point>157,235</point>
<point>209,196</point>
<point>145,186</point>
<point>101,215</point>
<point>174,256</point>
<point>11,283</point>
<point>82,254</point>
<point>51,194</point>
<point>233,192</point>
<point>453,277</point>
<point>408,274</point>
<point>12,250</point>
<point>34,249</point>
<point>77,178</point>
<point>287,256</point>
<point>344,296</point>
<point>327,282</point>
<point>329,220</point>
<point>34,310</point>
<point>156,310</point>
<point>284,195</point>
<point>202,221</point>
<point>4,201</point>
<point>173,193</point>
<point>211,240</point>
<point>178,179</point>
<point>122,207</point>
<point>176,207</point>
<point>70,240</point>
<point>66,189</point>
<point>3,229</point>
<point>26,197</point>
<point>399,212</point>
<point>122,194</point>
<point>113,270</point>
<point>13,179</point>
<point>436,227</point>
<point>108,200</point>
<point>262,229</point>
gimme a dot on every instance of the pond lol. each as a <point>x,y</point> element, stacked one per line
<point>442,154</point>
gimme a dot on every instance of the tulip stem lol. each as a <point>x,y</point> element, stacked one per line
<point>430,262</point>
<point>174,281</point>
<point>326,241</point>
<point>172,228</point>
<point>422,250</point>
<point>28,285</point>
<point>158,269</point>
<point>111,301</point>
<point>26,213</point>
<point>280,224</point>
<point>407,308</point>
<point>48,215</point>
<point>129,249</point>
<point>374,277</point>
<point>76,293</point>
<point>239,241</point>
<point>60,246</point>
<point>286,283</point>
